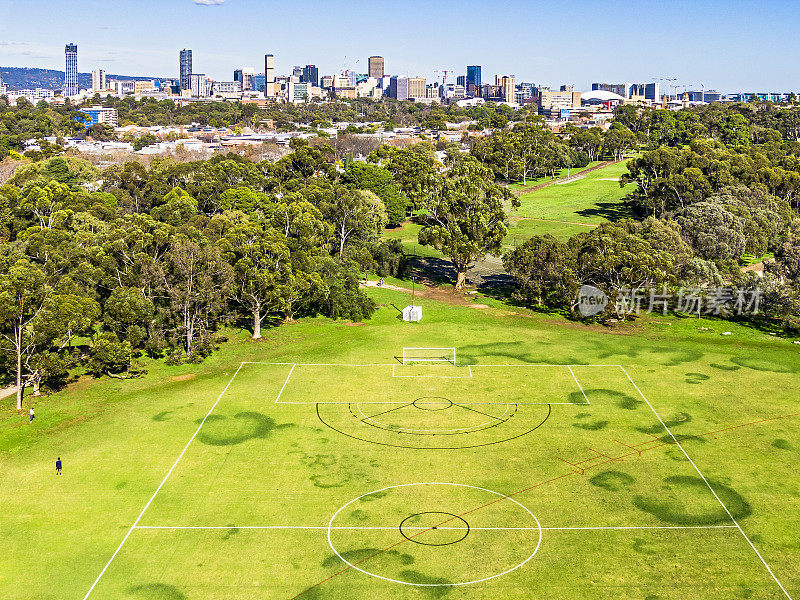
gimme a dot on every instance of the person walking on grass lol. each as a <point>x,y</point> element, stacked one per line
<point>58,466</point>
<point>31,415</point>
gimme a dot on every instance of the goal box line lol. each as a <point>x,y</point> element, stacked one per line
<point>414,354</point>
<point>394,375</point>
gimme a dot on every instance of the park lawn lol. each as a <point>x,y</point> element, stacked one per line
<point>559,174</point>
<point>266,473</point>
<point>407,234</point>
<point>591,200</point>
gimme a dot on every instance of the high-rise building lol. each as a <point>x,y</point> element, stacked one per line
<point>98,80</point>
<point>507,87</point>
<point>652,91</point>
<point>462,81</point>
<point>310,75</point>
<point>71,71</point>
<point>297,71</point>
<point>269,76</point>
<point>186,69</point>
<point>376,67</point>
<point>474,75</point>
<point>238,75</point>
<point>200,85</point>
<point>403,88</point>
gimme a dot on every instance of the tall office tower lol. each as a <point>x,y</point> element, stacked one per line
<point>269,76</point>
<point>376,67</point>
<point>474,75</point>
<point>311,75</point>
<point>98,80</point>
<point>507,87</point>
<point>71,71</point>
<point>238,75</point>
<point>462,81</point>
<point>186,69</point>
<point>297,71</point>
<point>247,78</point>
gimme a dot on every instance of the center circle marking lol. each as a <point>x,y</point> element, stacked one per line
<point>444,519</point>
<point>391,487</point>
<point>432,401</point>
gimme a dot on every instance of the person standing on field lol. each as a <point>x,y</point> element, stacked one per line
<point>58,466</point>
<point>31,415</point>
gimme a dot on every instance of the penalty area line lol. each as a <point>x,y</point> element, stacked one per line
<point>703,477</point>
<point>163,481</point>
<point>578,384</point>
<point>395,527</point>
<point>285,382</point>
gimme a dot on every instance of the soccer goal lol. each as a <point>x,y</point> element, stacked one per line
<point>412,355</point>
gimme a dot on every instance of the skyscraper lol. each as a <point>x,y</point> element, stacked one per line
<point>71,71</point>
<point>507,87</point>
<point>186,69</point>
<point>376,67</point>
<point>98,80</point>
<point>269,76</point>
<point>474,76</point>
<point>311,75</point>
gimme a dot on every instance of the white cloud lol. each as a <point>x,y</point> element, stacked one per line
<point>209,2</point>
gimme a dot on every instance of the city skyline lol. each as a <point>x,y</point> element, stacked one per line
<point>711,43</point>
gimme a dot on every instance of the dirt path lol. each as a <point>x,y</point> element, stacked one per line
<point>561,180</point>
<point>8,391</point>
<point>554,221</point>
<point>428,292</point>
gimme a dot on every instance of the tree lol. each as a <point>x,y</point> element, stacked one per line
<point>262,270</point>
<point>544,270</point>
<point>713,232</point>
<point>376,179</point>
<point>198,282</point>
<point>359,214</point>
<point>466,215</point>
<point>611,256</point>
<point>23,296</point>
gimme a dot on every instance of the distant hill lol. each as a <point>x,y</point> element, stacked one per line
<point>17,78</point>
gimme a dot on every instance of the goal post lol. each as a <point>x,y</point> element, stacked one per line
<point>413,355</point>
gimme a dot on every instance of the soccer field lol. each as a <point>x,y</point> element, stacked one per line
<point>484,480</point>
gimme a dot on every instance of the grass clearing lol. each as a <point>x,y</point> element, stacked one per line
<point>565,209</point>
<point>273,500</point>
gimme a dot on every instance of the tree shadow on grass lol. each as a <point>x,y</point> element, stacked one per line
<point>612,211</point>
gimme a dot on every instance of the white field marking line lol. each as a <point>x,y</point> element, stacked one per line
<point>163,481</point>
<point>434,376</point>
<point>498,403</point>
<point>462,528</point>
<point>703,477</point>
<point>284,383</point>
<point>395,364</point>
<point>442,431</point>
<point>579,385</point>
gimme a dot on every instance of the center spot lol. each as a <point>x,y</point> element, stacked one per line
<point>434,528</point>
<point>432,403</point>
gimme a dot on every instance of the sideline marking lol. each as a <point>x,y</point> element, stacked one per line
<point>703,477</point>
<point>579,385</point>
<point>163,481</point>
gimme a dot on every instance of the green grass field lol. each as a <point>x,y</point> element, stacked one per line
<point>562,210</point>
<point>552,461</point>
<point>566,209</point>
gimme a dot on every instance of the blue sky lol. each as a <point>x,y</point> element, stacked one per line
<point>728,45</point>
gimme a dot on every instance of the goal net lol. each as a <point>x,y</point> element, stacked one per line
<point>412,355</point>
